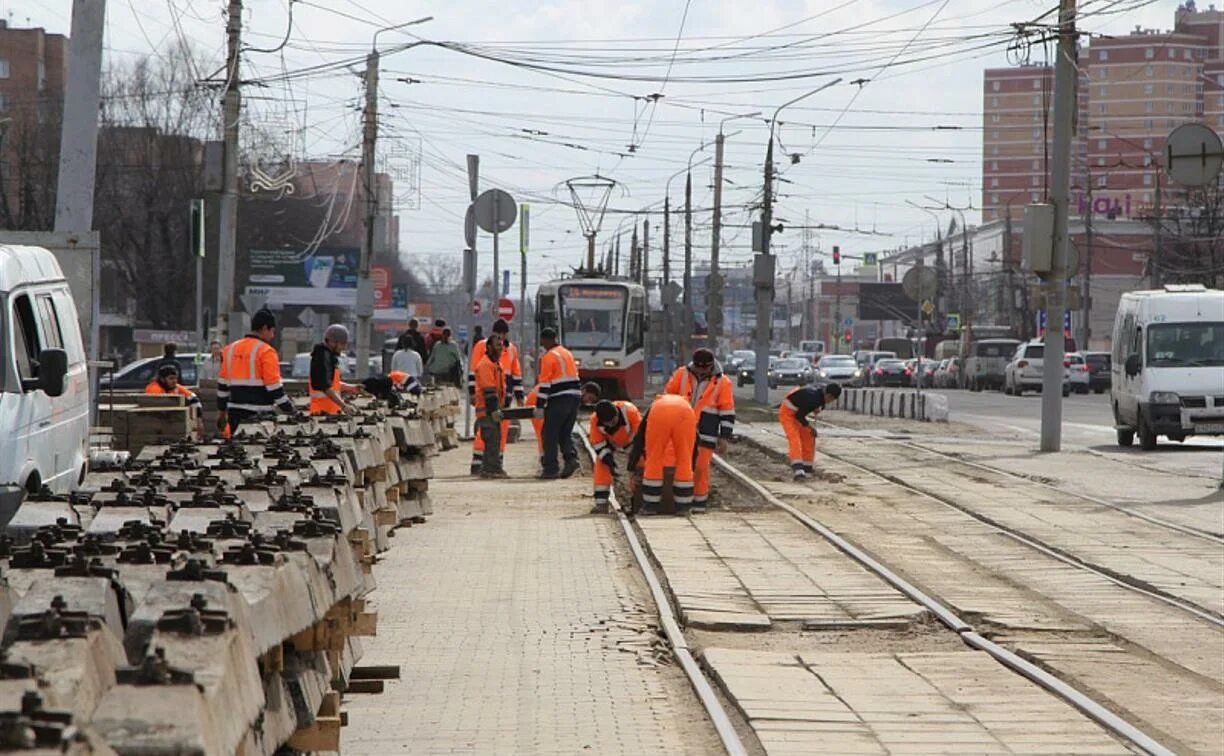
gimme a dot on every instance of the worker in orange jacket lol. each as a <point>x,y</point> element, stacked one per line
<point>613,425</point>
<point>490,390</point>
<point>710,394</point>
<point>166,382</point>
<point>560,392</point>
<point>513,370</point>
<point>668,431</point>
<point>249,384</point>
<point>800,436</point>
<point>326,388</point>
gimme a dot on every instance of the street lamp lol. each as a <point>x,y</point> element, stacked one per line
<point>369,139</point>
<point>714,291</point>
<point>762,273</point>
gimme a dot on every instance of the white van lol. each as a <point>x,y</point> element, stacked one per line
<point>1168,364</point>
<point>815,346</point>
<point>44,383</point>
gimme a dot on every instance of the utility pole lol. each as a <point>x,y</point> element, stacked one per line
<point>687,320</point>
<point>645,271</point>
<point>227,239</point>
<point>762,281</point>
<point>715,289</point>
<point>1086,304</point>
<point>616,257</point>
<point>365,285</point>
<point>663,288</point>
<point>1157,273</point>
<point>1060,197</point>
<point>634,254</point>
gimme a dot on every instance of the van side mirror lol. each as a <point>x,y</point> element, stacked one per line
<point>52,373</point>
<point>1133,366</point>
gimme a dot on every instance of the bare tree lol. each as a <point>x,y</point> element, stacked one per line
<point>1193,231</point>
<point>29,163</point>
<point>439,274</point>
<point>150,165</point>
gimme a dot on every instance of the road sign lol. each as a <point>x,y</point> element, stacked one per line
<point>870,259</point>
<point>495,203</point>
<point>952,322</point>
<point>476,308</point>
<point>920,283</point>
<point>848,322</point>
<point>927,307</point>
<point>506,309</point>
<point>253,303</point>
<point>469,226</point>
<point>1193,154</point>
<point>308,317</point>
<point>1041,321</point>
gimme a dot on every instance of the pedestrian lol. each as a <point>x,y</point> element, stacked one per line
<point>711,395</point>
<point>490,397</point>
<point>668,431</point>
<point>445,363</point>
<point>557,403</point>
<point>210,368</point>
<point>434,336</point>
<point>513,371</point>
<point>169,355</point>
<point>800,434</point>
<point>412,338</point>
<point>326,388</point>
<point>249,386</point>
<point>613,425</point>
<point>407,359</point>
<point>166,382</point>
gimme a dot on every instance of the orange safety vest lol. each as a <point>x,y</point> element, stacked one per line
<point>156,388</point>
<point>714,403</point>
<point>558,376</point>
<point>509,362</point>
<point>321,403</point>
<point>250,378</point>
<point>490,386</point>
<point>605,441</point>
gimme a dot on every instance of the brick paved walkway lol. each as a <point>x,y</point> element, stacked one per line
<point>521,626</point>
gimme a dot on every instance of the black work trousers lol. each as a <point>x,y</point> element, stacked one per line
<point>559,418</point>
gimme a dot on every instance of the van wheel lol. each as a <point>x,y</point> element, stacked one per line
<point>1126,437</point>
<point>1147,438</point>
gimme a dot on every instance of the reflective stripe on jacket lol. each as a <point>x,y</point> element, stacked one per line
<point>250,378</point>
<point>558,376</point>
<point>713,399</point>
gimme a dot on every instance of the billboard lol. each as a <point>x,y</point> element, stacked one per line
<point>326,278</point>
<point>394,306</point>
<point>885,301</point>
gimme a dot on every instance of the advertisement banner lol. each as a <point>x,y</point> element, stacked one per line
<point>327,278</point>
<point>396,304</point>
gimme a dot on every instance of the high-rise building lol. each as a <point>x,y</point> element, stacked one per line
<point>33,69</point>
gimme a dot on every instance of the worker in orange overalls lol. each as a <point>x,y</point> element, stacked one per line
<point>166,382</point>
<point>667,431</point>
<point>490,390</point>
<point>513,369</point>
<point>405,382</point>
<point>249,385</point>
<point>560,392</point>
<point>710,394</point>
<point>613,426</point>
<point>800,435</point>
<point>325,384</point>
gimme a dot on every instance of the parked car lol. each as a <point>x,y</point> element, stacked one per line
<point>941,369</point>
<point>790,371</point>
<point>922,372</point>
<point>1079,372</point>
<point>987,360</point>
<point>1098,370</point>
<point>44,386</point>
<point>737,358</point>
<point>134,376</point>
<point>840,368</point>
<point>1025,369</point>
<point>746,375</point>
<point>1168,365</point>
<point>890,372</point>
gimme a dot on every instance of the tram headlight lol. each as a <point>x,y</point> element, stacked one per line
<point>611,363</point>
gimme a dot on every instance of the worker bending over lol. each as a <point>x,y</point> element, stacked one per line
<point>490,390</point>
<point>249,385</point>
<point>667,431</point>
<point>166,382</point>
<point>513,370</point>
<point>613,426</point>
<point>800,433</point>
<point>557,403</point>
<point>710,394</point>
<point>325,384</point>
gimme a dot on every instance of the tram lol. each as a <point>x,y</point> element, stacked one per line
<point>603,322</point>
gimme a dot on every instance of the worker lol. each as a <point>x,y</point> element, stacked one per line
<point>513,371</point>
<point>668,431</point>
<point>490,398</point>
<point>710,394</point>
<point>167,382</point>
<point>557,404</point>
<point>613,425</point>
<point>800,435</point>
<point>326,388</point>
<point>405,382</point>
<point>249,386</point>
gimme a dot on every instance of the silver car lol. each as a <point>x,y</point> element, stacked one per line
<point>839,368</point>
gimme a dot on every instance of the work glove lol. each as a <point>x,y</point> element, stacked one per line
<point>349,409</point>
<point>720,446</point>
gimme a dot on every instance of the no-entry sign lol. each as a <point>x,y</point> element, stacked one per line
<point>505,309</point>
<point>475,306</point>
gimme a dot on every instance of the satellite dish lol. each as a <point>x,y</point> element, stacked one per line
<point>1193,155</point>
<point>920,283</point>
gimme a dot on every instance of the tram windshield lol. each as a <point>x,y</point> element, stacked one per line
<point>592,316</point>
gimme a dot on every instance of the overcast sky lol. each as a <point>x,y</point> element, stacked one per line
<point>864,149</point>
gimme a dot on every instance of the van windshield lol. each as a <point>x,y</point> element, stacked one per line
<point>994,348</point>
<point>1185,345</point>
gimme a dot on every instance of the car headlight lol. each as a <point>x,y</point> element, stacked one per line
<point>858,373</point>
<point>1165,397</point>
<point>824,374</point>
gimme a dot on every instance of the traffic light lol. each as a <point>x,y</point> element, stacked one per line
<point>836,255</point>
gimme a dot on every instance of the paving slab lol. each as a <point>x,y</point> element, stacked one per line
<point>910,703</point>
<point>520,625</point>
